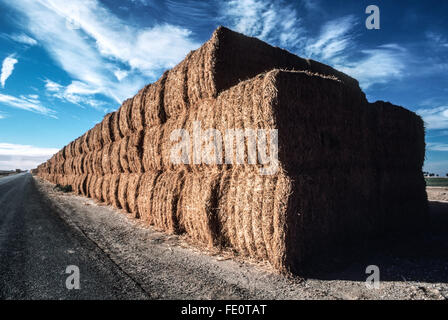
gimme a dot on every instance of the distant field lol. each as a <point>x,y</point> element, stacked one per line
<point>437,182</point>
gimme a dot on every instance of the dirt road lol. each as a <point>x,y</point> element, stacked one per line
<point>42,231</point>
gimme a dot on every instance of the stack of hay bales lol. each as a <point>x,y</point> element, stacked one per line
<point>346,168</point>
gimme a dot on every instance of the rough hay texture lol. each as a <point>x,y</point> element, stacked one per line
<point>347,169</point>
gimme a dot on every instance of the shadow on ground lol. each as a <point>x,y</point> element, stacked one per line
<point>419,257</point>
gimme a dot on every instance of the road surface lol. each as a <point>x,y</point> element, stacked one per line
<point>36,247</point>
<point>43,231</point>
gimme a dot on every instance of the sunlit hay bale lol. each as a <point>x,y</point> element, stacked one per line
<point>151,148</point>
<point>137,110</point>
<point>88,163</point>
<point>95,141</point>
<point>106,160</point>
<point>88,181</point>
<point>77,149</point>
<point>152,103</point>
<point>123,152</point>
<point>83,145</point>
<point>97,159</point>
<point>83,184</point>
<point>106,131</point>
<point>175,99</point>
<point>92,186</point>
<point>68,166</point>
<point>113,190</point>
<point>115,126</point>
<point>165,144</point>
<point>124,120</point>
<point>132,193</point>
<point>165,211</point>
<point>105,188</point>
<point>98,192</point>
<point>122,191</point>
<point>146,194</point>
<point>115,157</point>
<point>135,152</point>
<point>198,211</point>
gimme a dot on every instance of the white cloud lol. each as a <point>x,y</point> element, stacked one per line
<point>7,69</point>
<point>380,65</point>
<point>435,118</point>
<point>120,74</point>
<point>334,38</point>
<point>26,103</point>
<point>437,146</point>
<point>16,156</point>
<point>77,92</point>
<point>23,38</point>
<point>103,42</point>
<point>271,21</point>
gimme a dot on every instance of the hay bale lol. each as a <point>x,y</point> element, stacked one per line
<point>165,209</point>
<point>105,189</point>
<point>88,163</point>
<point>115,157</point>
<point>98,189</point>
<point>132,193</point>
<point>198,207</point>
<point>146,194</point>
<point>124,119</point>
<point>106,159</point>
<point>137,110</point>
<point>92,186</point>
<point>152,102</point>
<point>113,190</point>
<point>123,192</point>
<point>115,126</point>
<point>123,154</point>
<point>152,144</point>
<point>97,158</point>
<point>135,152</point>
<point>97,137</point>
<point>84,146</point>
<point>106,131</point>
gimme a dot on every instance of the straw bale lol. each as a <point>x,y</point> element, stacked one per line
<point>135,152</point>
<point>132,193</point>
<point>123,153</point>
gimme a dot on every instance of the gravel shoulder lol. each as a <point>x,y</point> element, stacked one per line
<point>437,193</point>
<point>169,267</point>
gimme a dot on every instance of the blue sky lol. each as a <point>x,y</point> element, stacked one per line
<point>64,64</point>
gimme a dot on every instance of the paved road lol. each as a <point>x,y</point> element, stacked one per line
<point>36,246</point>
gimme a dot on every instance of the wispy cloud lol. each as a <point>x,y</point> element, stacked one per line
<point>98,43</point>
<point>17,156</point>
<point>437,146</point>
<point>272,21</point>
<point>379,65</point>
<point>335,37</point>
<point>23,38</point>
<point>76,93</point>
<point>7,69</point>
<point>28,103</point>
<point>435,118</point>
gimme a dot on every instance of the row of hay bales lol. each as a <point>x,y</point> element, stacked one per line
<point>347,169</point>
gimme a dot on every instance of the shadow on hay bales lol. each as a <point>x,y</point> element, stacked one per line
<point>401,256</point>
